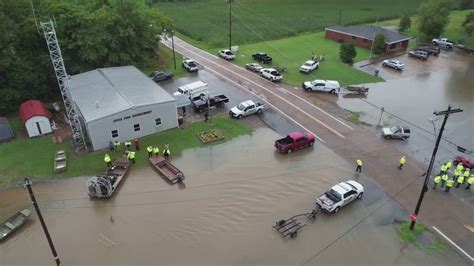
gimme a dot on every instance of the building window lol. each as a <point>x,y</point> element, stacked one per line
<point>114,133</point>
<point>136,127</point>
<point>365,40</point>
<point>158,122</point>
<point>354,37</point>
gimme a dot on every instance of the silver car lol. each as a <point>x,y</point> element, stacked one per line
<point>395,64</point>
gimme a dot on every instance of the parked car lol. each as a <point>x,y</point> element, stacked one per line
<point>340,195</point>
<point>158,76</point>
<point>431,50</point>
<point>309,66</point>
<point>205,103</point>
<point>395,64</point>
<point>255,67</point>
<point>246,108</point>
<point>443,42</point>
<point>418,54</point>
<point>271,74</point>
<point>396,132</point>
<point>464,161</point>
<point>190,65</point>
<point>330,86</point>
<point>262,58</point>
<point>226,54</point>
<point>295,141</point>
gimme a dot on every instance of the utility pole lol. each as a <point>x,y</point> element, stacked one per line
<point>230,24</point>
<point>40,217</point>
<point>372,47</point>
<point>172,45</point>
<point>424,189</point>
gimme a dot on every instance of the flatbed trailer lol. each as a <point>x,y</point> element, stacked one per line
<point>290,227</point>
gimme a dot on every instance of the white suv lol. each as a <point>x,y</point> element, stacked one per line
<point>395,64</point>
<point>309,66</point>
<point>226,54</point>
<point>271,74</point>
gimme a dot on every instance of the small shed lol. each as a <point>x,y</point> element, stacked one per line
<point>35,117</point>
<point>6,132</point>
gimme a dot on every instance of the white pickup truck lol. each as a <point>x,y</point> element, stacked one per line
<point>443,42</point>
<point>246,108</point>
<point>340,195</point>
<point>330,86</point>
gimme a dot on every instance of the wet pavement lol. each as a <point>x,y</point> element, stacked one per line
<point>222,215</point>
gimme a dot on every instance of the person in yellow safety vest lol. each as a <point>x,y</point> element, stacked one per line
<point>128,145</point>
<point>117,145</point>
<point>107,160</point>
<point>444,179</point>
<point>444,169</point>
<point>463,177</point>
<point>449,184</point>
<point>469,182</point>
<point>131,156</point>
<point>448,165</point>
<point>166,152</point>
<point>460,167</point>
<point>436,181</point>
<point>403,160</point>
<point>156,151</point>
<point>459,181</point>
<point>359,165</point>
<point>149,149</point>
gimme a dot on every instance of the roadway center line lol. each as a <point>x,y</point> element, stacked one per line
<point>296,96</point>
<point>271,92</point>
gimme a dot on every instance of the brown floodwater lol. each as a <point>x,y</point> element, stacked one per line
<point>234,192</point>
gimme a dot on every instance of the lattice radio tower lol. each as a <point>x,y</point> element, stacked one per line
<point>63,81</point>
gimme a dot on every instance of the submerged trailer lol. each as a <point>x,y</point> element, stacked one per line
<point>104,185</point>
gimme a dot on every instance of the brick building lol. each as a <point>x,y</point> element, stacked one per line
<point>363,36</point>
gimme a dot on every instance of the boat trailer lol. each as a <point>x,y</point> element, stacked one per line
<point>290,227</point>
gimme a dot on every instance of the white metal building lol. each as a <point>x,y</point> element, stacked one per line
<point>121,103</point>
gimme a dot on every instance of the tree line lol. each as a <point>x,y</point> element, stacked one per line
<point>91,34</point>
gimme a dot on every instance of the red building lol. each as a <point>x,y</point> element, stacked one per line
<point>363,36</point>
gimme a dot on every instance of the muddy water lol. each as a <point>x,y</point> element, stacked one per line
<point>233,194</point>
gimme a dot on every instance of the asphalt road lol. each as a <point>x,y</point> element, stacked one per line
<point>351,142</point>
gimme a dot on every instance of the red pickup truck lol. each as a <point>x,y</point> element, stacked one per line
<point>294,141</point>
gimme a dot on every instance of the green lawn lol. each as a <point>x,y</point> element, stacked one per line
<point>292,52</point>
<point>453,31</point>
<point>34,157</point>
<point>263,20</point>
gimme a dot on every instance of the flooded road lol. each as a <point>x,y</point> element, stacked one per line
<point>233,194</point>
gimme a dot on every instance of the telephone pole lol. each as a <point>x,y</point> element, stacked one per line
<point>40,217</point>
<point>424,189</point>
<point>172,45</point>
<point>230,24</point>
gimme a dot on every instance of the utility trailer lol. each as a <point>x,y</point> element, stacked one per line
<point>290,227</point>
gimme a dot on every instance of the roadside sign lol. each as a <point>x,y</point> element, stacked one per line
<point>413,217</point>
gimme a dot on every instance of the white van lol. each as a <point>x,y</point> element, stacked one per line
<point>189,92</point>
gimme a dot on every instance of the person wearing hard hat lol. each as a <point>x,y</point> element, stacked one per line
<point>449,184</point>
<point>107,160</point>
<point>448,165</point>
<point>403,160</point>
<point>444,169</point>
<point>444,179</point>
<point>359,165</point>
<point>117,145</point>
<point>149,149</point>
<point>128,145</point>
<point>436,181</point>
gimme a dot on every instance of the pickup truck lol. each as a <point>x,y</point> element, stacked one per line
<point>294,141</point>
<point>190,65</point>
<point>205,103</point>
<point>443,42</point>
<point>226,54</point>
<point>271,74</point>
<point>246,108</point>
<point>340,195</point>
<point>262,58</point>
<point>398,132</point>
<point>309,66</point>
<point>330,86</point>
<point>464,161</point>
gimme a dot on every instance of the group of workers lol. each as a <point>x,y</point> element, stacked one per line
<point>402,161</point>
<point>131,154</point>
<point>461,176</point>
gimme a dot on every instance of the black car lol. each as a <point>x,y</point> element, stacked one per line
<point>431,50</point>
<point>262,58</point>
<point>158,76</point>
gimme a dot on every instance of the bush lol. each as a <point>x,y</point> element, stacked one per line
<point>405,23</point>
<point>347,53</point>
<point>379,44</point>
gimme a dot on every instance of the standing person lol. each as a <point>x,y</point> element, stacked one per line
<point>117,145</point>
<point>448,165</point>
<point>459,180</point>
<point>149,149</point>
<point>449,184</point>
<point>206,116</point>
<point>444,169</point>
<point>469,182</point>
<point>436,181</point>
<point>128,145</point>
<point>166,152</point>
<point>156,151</point>
<point>444,179</point>
<point>131,156</point>
<point>111,146</point>
<point>402,162</point>
<point>136,143</point>
<point>463,177</point>
<point>107,160</point>
<point>359,166</point>
<point>460,167</point>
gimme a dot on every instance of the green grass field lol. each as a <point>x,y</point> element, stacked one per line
<point>453,31</point>
<point>34,157</point>
<point>294,51</point>
<point>165,63</point>
<point>256,21</point>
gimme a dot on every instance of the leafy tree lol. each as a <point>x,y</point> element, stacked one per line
<point>379,44</point>
<point>347,53</point>
<point>433,16</point>
<point>468,23</point>
<point>466,4</point>
<point>405,23</point>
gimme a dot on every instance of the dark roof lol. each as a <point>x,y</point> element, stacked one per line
<point>32,108</point>
<point>369,32</point>
<point>6,133</point>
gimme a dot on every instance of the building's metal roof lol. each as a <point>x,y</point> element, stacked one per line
<point>368,32</point>
<point>105,91</point>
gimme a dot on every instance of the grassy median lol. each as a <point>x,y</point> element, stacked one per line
<point>34,157</point>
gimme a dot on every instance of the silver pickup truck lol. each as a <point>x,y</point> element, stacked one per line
<point>396,132</point>
<point>340,195</point>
